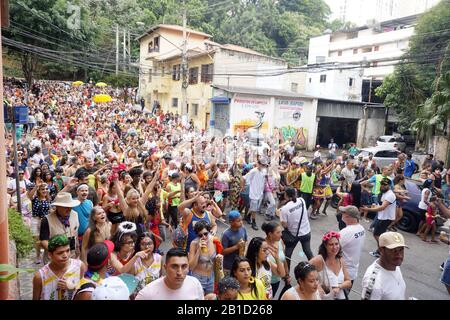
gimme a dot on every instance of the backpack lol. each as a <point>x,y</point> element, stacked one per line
<point>180,234</point>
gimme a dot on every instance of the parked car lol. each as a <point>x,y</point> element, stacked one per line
<point>384,156</point>
<point>393,142</point>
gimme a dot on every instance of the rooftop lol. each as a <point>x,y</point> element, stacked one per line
<point>262,92</point>
<point>172,27</point>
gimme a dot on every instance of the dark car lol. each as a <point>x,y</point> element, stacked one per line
<point>411,212</point>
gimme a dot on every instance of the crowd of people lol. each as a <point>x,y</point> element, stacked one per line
<point>103,186</point>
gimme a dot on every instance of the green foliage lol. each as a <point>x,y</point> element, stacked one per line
<point>416,90</point>
<point>277,28</point>
<point>119,81</point>
<point>11,272</point>
<point>20,233</point>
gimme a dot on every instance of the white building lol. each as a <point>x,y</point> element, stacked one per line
<point>366,55</point>
<point>361,11</point>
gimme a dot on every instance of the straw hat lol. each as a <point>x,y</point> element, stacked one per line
<point>64,199</point>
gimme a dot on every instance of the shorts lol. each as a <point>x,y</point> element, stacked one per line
<point>35,226</point>
<point>255,205</point>
<point>381,227</point>
<point>207,282</point>
<point>445,278</point>
<point>423,215</point>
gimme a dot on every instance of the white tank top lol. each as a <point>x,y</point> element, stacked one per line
<point>146,274</point>
<point>50,282</point>
<point>422,204</point>
<point>335,280</point>
<point>294,292</point>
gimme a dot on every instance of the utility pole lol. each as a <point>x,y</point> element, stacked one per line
<point>184,70</point>
<point>124,49</point>
<point>117,49</point>
<point>129,50</point>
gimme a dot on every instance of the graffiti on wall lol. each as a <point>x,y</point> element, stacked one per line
<point>290,133</point>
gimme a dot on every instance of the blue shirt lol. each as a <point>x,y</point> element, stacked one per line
<point>409,168</point>
<point>84,212</point>
<point>191,233</point>
<point>229,239</point>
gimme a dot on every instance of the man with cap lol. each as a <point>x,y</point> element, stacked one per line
<point>352,239</point>
<point>98,257</point>
<point>386,211</point>
<point>383,279</point>
<point>233,240</point>
<point>58,279</point>
<point>317,155</point>
<point>256,179</point>
<point>308,181</point>
<point>119,287</point>
<point>62,219</point>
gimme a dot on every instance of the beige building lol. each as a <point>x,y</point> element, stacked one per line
<point>209,64</point>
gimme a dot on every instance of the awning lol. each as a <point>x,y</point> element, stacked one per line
<point>219,99</point>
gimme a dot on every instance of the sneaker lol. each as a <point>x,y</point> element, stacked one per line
<point>254,226</point>
<point>441,267</point>
<point>375,254</point>
<point>313,217</point>
<point>248,219</point>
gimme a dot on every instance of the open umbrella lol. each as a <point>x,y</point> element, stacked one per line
<point>101,84</point>
<point>77,83</point>
<point>99,98</point>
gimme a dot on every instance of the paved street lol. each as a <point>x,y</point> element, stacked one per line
<point>420,268</point>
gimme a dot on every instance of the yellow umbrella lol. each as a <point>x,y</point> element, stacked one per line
<point>77,83</point>
<point>99,98</point>
<point>101,84</point>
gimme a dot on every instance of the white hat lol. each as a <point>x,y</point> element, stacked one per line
<point>392,240</point>
<point>115,288</point>
<point>64,199</point>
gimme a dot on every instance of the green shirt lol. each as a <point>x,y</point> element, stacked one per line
<point>307,183</point>
<point>174,202</point>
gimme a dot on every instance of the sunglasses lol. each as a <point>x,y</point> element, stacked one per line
<point>201,235</point>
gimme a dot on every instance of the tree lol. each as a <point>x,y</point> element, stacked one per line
<point>415,88</point>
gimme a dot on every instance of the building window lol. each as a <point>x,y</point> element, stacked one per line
<point>350,82</point>
<point>193,75</point>
<point>207,73</point>
<point>163,71</point>
<point>309,80</point>
<point>176,72</point>
<point>195,109</point>
<point>174,102</point>
<point>150,71</point>
<point>320,59</point>
<point>340,53</point>
<point>153,46</point>
<point>376,48</point>
<point>294,87</point>
<point>367,49</point>
<point>156,44</point>
<point>355,51</point>
<point>323,78</point>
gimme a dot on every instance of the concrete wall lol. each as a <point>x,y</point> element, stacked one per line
<point>336,86</point>
<point>368,137</point>
<point>228,62</point>
<point>440,147</point>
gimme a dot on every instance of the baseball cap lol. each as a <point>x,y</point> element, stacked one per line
<point>352,211</point>
<point>174,174</point>
<point>98,255</point>
<point>392,240</point>
<point>115,288</point>
<point>234,214</point>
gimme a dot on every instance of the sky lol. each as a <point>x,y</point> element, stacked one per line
<point>360,11</point>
